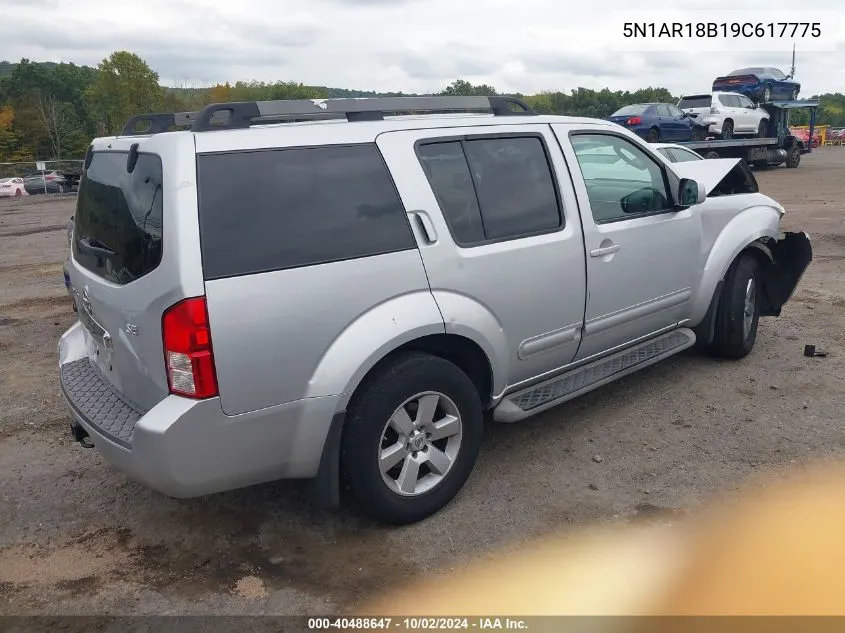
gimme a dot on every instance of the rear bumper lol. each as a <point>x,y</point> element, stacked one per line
<point>187,448</point>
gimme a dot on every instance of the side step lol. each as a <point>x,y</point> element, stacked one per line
<point>552,392</point>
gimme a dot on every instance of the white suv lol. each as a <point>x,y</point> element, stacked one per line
<point>728,113</point>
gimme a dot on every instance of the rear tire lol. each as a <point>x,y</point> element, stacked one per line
<point>767,94</point>
<point>727,129</point>
<point>386,413</point>
<point>653,135</point>
<point>739,310</point>
<point>711,155</point>
<point>18,193</point>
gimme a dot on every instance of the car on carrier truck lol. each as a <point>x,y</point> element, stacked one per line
<point>379,286</point>
<point>727,114</point>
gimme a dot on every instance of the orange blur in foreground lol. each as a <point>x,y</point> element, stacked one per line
<point>779,551</point>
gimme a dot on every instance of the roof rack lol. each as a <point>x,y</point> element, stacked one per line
<point>158,123</point>
<point>241,115</point>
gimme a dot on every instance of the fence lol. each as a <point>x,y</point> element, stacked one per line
<point>823,135</point>
<point>19,170</point>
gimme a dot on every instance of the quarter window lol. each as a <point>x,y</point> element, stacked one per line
<point>284,208</point>
<point>622,181</point>
<point>492,188</point>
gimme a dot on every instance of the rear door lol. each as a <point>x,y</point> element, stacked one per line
<point>499,235</point>
<point>126,264</point>
<point>750,115</point>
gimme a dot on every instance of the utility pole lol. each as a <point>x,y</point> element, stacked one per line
<point>792,70</point>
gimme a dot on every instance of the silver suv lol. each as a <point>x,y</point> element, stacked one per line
<point>335,291</point>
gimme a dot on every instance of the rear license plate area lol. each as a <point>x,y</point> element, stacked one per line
<point>97,343</point>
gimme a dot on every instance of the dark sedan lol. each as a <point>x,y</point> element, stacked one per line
<point>659,122</point>
<point>762,84</point>
<point>46,182</point>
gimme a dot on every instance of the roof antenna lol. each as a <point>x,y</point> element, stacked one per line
<point>792,70</point>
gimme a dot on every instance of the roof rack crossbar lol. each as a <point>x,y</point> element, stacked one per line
<point>157,122</point>
<point>242,114</point>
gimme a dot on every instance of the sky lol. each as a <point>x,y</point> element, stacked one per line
<point>523,46</point>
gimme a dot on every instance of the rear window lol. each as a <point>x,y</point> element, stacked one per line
<point>746,71</point>
<point>269,210</point>
<point>118,221</point>
<point>695,101</point>
<point>631,109</point>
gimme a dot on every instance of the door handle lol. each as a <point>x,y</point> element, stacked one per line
<point>607,250</point>
<point>426,226</point>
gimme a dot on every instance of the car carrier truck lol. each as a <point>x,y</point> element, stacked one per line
<point>778,147</point>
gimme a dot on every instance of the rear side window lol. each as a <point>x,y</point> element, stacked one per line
<point>493,188</point>
<point>683,155</point>
<point>276,209</point>
<point>118,221</point>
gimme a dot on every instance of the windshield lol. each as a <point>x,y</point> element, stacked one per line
<point>695,101</point>
<point>118,221</point>
<point>631,110</point>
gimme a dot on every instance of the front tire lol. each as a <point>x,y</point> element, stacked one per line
<point>793,156</point>
<point>763,128</point>
<point>767,94</point>
<point>412,435</point>
<point>739,310</point>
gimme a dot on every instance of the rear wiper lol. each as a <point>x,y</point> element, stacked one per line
<point>97,246</point>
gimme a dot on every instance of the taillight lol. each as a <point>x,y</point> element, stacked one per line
<point>188,355</point>
<point>51,177</point>
<point>634,120</point>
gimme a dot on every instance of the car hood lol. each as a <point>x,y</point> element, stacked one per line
<point>711,172</point>
<point>708,173</point>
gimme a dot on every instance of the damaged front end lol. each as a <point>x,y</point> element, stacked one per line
<point>784,262</point>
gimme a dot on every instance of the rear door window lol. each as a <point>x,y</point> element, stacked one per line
<point>492,189</point>
<point>277,209</point>
<point>118,221</point>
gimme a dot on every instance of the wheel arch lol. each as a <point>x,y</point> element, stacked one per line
<point>747,231</point>
<point>464,352</point>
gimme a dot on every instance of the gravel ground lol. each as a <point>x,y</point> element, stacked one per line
<point>77,537</point>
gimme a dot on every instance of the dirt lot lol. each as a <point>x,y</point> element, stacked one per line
<point>78,537</point>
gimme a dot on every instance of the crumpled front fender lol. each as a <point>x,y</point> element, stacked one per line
<point>788,259</point>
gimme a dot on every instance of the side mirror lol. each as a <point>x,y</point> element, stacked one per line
<point>690,193</point>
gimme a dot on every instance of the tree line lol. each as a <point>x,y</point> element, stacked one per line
<point>51,111</point>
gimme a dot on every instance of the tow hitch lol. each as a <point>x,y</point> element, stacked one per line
<point>81,435</point>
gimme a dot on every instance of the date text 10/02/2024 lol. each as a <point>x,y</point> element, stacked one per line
<point>721,29</point>
<point>417,624</point>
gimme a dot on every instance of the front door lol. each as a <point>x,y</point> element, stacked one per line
<point>673,128</point>
<point>499,237</point>
<point>643,255</point>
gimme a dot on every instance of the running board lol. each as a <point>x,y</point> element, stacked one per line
<point>552,392</point>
